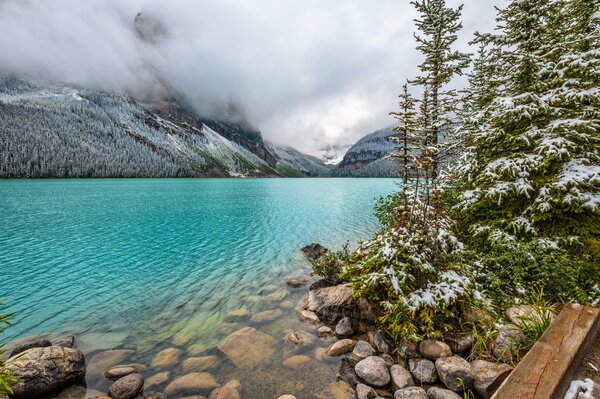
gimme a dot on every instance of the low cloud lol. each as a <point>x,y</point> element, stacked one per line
<point>310,74</point>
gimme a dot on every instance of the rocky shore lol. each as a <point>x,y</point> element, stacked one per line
<point>336,327</point>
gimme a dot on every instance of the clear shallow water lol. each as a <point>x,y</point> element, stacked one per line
<point>147,264</point>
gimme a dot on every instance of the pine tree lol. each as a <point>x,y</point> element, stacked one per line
<point>406,129</point>
<point>438,25</point>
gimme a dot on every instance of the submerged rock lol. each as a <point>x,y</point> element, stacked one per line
<point>308,316</point>
<point>166,358</point>
<point>67,341</point>
<point>488,376</point>
<point>104,360</point>
<point>231,390</point>
<point>191,382</point>
<point>158,378</point>
<point>127,387</point>
<point>314,251</point>
<point>28,344</point>
<point>120,371</point>
<point>373,371</point>
<point>295,362</point>
<point>267,315</point>
<point>200,363</point>
<point>247,347</point>
<point>297,282</point>
<point>337,390</point>
<point>301,338</point>
<point>46,369</point>
<point>455,372</point>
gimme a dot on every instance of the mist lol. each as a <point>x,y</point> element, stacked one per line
<point>309,74</point>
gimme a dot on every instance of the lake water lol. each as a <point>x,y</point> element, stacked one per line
<point>149,264</point>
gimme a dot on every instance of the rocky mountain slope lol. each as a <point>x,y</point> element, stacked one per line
<point>62,131</point>
<point>291,161</point>
<point>367,158</point>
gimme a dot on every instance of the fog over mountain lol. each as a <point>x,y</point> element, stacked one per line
<point>314,75</point>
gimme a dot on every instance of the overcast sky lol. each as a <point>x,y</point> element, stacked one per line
<point>310,73</point>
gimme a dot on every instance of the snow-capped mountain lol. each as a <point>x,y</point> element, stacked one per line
<point>291,161</point>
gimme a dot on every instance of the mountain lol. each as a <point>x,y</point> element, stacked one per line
<point>293,163</point>
<point>367,158</point>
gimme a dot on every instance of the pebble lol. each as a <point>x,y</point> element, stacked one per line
<point>373,371</point>
<point>166,358</point>
<point>423,370</point>
<point>340,347</point>
<point>362,350</point>
<point>401,377</point>
<point>343,328</point>
<point>127,387</point>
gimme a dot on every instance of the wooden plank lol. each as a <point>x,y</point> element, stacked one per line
<point>547,369</point>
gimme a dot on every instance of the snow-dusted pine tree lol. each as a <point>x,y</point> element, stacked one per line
<point>438,26</point>
<point>406,129</point>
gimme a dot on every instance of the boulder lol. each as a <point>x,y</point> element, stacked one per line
<point>120,371</point>
<point>247,347</point>
<point>373,371</point>
<point>46,369</point>
<point>308,316</point>
<point>314,251</point>
<point>200,363</point>
<point>365,392</point>
<point>324,282</point>
<point>455,372</point>
<point>296,362</point>
<point>297,282</point>
<point>231,390</point>
<point>401,377</point>
<point>28,344</point>
<point>432,349</point>
<point>460,343</point>
<point>488,376</point>
<point>324,331</point>
<point>441,393</point>
<point>301,338</point>
<point>380,342</point>
<point>106,359</point>
<point>362,350</point>
<point>127,387</point>
<point>423,370</point>
<point>67,341</point>
<point>191,382</point>
<point>410,393</point>
<point>516,314</point>
<point>341,347</point>
<point>508,339</point>
<point>166,358</point>
<point>343,328</point>
<point>332,303</point>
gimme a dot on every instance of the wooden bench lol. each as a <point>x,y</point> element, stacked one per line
<point>547,369</point>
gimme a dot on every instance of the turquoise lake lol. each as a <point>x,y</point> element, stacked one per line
<point>148,264</point>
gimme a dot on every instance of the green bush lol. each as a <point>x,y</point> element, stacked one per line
<point>329,265</point>
<point>6,378</point>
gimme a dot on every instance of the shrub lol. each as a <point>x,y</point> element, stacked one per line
<point>6,378</point>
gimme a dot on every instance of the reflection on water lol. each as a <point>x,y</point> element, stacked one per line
<point>144,265</point>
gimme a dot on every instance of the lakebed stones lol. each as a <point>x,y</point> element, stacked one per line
<point>423,370</point>
<point>158,378</point>
<point>120,371</point>
<point>43,370</point>
<point>267,315</point>
<point>441,393</point>
<point>324,332</point>
<point>297,282</point>
<point>236,314</point>
<point>301,338</point>
<point>343,328</point>
<point>247,347</point>
<point>332,303</point>
<point>432,349</point>
<point>411,393</point>
<point>191,382</point>
<point>104,360</point>
<point>308,316</point>
<point>509,337</point>
<point>341,347</point>
<point>455,372</point>
<point>127,387</point>
<point>67,341</point>
<point>373,371</point>
<point>362,350</point>
<point>314,251</point>
<point>231,390</point>
<point>200,363</point>
<point>296,362</point>
<point>337,390</point>
<point>488,376</point>
<point>166,358</point>
<point>401,377</point>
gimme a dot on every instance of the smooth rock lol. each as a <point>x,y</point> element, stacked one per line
<point>332,303</point>
<point>166,358</point>
<point>365,392</point>
<point>46,369</point>
<point>104,360</point>
<point>337,390</point>
<point>508,339</point>
<point>120,371</point>
<point>401,377</point>
<point>423,370</point>
<point>362,350</point>
<point>320,354</point>
<point>488,376</point>
<point>343,328</point>
<point>71,392</point>
<point>324,331</point>
<point>461,343</point>
<point>409,349</point>
<point>297,282</point>
<point>199,363</point>
<point>267,315</point>
<point>236,314</point>
<point>32,343</point>
<point>432,349</point>
<point>296,362</point>
<point>381,343</point>
<point>516,314</point>
<point>158,378</point>
<point>191,382</point>
<point>373,371</point>
<point>455,372</point>
<point>389,360</point>
<point>301,338</point>
<point>195,349</point>
<point>247,347</point>
<point>314,251</point>
<point>308,316</point>
<point>127,387</point>
<point>67,341</point>
<point>340,347</point>
<point>231,390</point>
<point>152,395</point>
<point>441,393</point>
<point>287,397</point>
<point>410,393</point>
